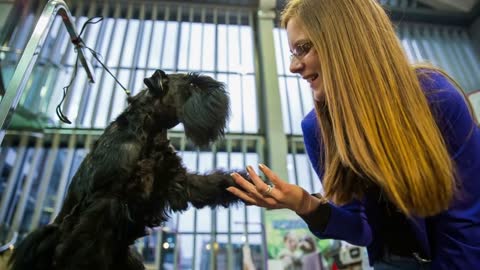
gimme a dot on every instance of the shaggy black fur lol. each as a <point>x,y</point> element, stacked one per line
<point>133,178</point>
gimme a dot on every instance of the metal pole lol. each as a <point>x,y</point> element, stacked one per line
<point>29,57</point>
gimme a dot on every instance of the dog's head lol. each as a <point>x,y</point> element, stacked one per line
<point>199,102</point>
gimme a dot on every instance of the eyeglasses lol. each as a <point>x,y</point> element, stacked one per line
<point>301,50</point>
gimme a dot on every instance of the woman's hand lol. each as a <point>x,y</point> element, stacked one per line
<point>280,195</point>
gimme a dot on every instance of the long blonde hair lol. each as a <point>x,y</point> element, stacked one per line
<point>376,124</point>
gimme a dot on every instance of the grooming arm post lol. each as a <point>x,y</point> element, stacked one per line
<point>8,246</point>
<point>29,57</point>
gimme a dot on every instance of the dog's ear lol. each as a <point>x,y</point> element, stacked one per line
<point>157,82</point>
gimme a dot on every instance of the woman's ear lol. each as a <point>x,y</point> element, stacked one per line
<point>156,81</point>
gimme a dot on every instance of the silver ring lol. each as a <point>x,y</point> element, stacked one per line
<point>268,191</point>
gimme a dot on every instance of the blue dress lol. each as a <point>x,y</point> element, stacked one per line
<point>453,237</point>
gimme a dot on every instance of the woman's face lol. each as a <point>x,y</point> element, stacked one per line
<point>304,59</point>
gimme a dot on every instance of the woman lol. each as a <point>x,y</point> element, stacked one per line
<point>396,146</point>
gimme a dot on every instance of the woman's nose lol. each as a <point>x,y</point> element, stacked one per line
<point>296,65</point>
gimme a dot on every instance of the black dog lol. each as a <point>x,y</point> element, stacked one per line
<point>133,178</point>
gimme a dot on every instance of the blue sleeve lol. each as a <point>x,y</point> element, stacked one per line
<point>347,222</point>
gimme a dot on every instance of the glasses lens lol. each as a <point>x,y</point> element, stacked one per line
<point>304,48</point>
<point>301,50</point>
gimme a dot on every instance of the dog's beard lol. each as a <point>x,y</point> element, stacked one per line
<point>205,116</point>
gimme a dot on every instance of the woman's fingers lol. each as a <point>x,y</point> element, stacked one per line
<point>262,187</point>
<point>251,199</point>
<point>242,195</point>
<point>250,190</point>
<point>270,175</point>
<point>253,175</point>
<point>258,193</point>
<point>242,182</point>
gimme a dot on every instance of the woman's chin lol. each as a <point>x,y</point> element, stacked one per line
<point>318,95</point>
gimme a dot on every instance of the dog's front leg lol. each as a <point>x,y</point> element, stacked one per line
<point>210,189</point>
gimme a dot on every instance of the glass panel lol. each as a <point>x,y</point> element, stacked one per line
<point>168,57</point>
<point>209,49</point>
